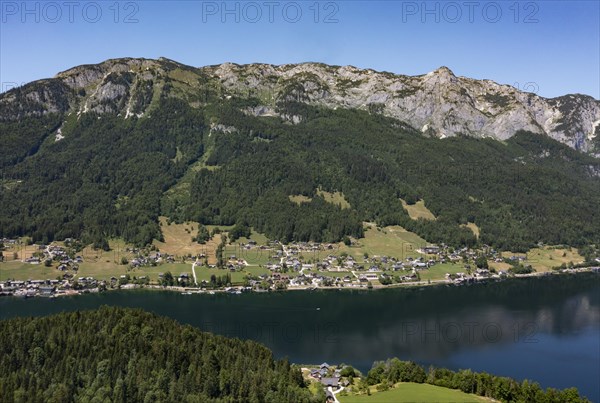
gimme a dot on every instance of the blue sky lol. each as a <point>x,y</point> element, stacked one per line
<point>548,47</point>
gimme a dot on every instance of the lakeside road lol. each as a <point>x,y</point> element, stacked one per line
<point>361,287</point>
<point>194,272</point>
<point>311,287</point>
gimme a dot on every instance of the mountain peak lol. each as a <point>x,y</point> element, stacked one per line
<point>443,70</point>
<point>438,102</point>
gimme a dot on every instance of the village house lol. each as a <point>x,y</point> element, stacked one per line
<point>431,249</point>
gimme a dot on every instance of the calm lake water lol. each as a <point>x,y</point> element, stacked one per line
<point>544,329</point>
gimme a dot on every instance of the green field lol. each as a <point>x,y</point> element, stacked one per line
<point>106,270</point>
<point>413,392</point>
<point>393,241</point>
<point>438,271</point>
<point>418,210</point>
<point>17,270</point>
<point>544,259</point>
<point>336,198</point>
<point>237,277</point>
<point>435,272</point>
<point>254,256</point>
<point>202,273</point>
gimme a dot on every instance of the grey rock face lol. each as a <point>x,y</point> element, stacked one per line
<point>438,103</point>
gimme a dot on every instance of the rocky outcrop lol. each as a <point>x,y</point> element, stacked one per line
<point>438,103</point>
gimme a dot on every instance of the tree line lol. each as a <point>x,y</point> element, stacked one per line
<point>387,373</point>
<point>123,355</point>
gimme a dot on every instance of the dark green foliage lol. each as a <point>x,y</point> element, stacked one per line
<point>394,371</point>
<point>220,281</point>
<point>348,371</point>
<point>481,262</point>
<point>520,269</point>
<point>168,279</point>
<point>479,383</point>
<point>105,179</point>
<point>203,235</point>
<point>23,138</point>
<point>385,280</point>
<point>112,176</point>
<point>127,355</point>
<point>515,196</point>
<point>500,100</point>
<point>240,230</point>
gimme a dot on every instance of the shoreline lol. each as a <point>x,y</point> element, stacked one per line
<point>235,290</point>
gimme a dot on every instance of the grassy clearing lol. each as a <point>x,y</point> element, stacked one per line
<point>178,240</point>
<point>393,241</point>
<point>438,271</point>
<point>413,392</point>
<point>17,270</point>
<point>204,273</point>
<point>418,210</point>
<point>499,266</point>
<point>544,259</point>
<point>254,257</point>
<point>473,227</point>
<point>22,252</point>
<point>107,259</point>
<point>257,237</point>
<point>152,272</point>
<point>237,277</point>
<point>184,76</point>
<point>299,199</point>
<point>336,198</point>
<point>103,271</point>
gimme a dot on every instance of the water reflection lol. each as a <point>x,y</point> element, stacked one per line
<point>546,329</point>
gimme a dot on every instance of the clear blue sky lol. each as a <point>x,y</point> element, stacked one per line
<point>548,47</point>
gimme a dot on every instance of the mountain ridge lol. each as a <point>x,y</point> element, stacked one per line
<point>438,104</point>
<point>105,150</point>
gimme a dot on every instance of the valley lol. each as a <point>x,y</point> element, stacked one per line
<point>384,257</point>
<point>299,202</point>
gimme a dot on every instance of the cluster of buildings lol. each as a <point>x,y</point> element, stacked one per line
<point>329,376</point>
<point>50,288</point>
<point>152,259</point>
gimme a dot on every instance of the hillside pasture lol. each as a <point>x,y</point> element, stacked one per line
<point>418,210</point>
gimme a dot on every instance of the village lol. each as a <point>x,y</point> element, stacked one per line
<point>271,266</point>
<point>333,379</point>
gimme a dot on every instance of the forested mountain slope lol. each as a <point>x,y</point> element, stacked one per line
<point>104,150</point>
<point>128,355</point>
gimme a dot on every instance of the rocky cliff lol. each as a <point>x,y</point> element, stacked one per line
<point>439,104</point>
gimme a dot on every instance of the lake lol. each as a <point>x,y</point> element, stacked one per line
<point>544,329</point>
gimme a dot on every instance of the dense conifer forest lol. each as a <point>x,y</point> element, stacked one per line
<point>116,354</point>
<point>216,164</point>
<point>128,355</point>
